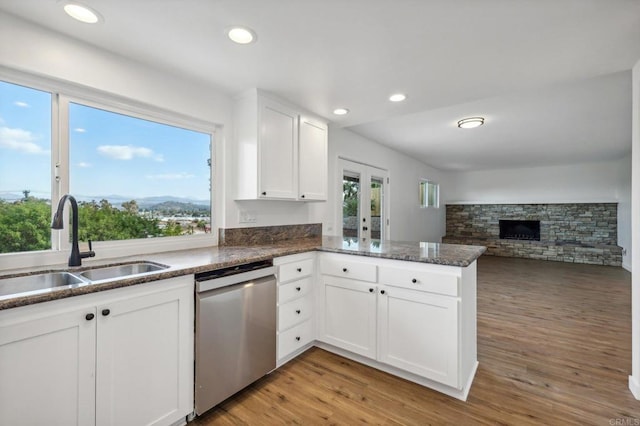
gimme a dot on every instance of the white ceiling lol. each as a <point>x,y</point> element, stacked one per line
<point>550,76</point>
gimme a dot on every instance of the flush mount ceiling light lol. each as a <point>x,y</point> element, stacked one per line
<point>82,13</point>
<point>340,111</point>
<point>397,97</point>
<point>242,35</point>
<point>471,122</point>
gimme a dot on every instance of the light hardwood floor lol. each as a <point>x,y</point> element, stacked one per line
<point>554,346</point>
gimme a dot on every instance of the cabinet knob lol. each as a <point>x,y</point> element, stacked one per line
<point>299,269</point>
<point>298,289</point>
<point>414,280</point>
<point>298,311</point>
<point>264,192</point>
<point>382,292</point>
<point>302,196</point>
<point>89,317</point>
<point>370,290</point>
<point>105,312</point>
<point>364,228</point>
<point>298,338</point>
<point>344,269</point>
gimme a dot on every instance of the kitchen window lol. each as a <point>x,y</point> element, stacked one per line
<point>429,194</point>
<point>136,175</point>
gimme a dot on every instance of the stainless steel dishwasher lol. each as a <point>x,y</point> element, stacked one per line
<point>235,330</point>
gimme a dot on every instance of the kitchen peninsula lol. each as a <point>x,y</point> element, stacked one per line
<point>402,307</point>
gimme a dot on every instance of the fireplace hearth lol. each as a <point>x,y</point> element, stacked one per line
<point>520,230</point>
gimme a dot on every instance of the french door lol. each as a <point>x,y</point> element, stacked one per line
<point>364,201</point>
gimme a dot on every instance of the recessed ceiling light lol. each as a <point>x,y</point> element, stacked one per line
<point>471,122</point>
<point>82,13</point>
<point>242,35</point>
<point>340,111</point>
<point>397,97</point>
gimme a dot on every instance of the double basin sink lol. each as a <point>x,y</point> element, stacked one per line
<point>34,284</point>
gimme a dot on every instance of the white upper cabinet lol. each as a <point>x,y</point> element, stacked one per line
<point>280,153</point>
<point>313,162</point>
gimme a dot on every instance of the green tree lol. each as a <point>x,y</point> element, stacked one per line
<point>25,225</point>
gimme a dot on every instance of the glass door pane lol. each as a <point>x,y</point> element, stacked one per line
<point>350,204</point>
<point>377,207</point>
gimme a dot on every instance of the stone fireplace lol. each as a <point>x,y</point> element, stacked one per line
<point>570,232</point>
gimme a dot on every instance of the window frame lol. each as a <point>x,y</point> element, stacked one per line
<point>428,182</point>
<point>63,93</point>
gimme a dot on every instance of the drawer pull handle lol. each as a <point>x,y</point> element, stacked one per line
<point>89,317</point>
<point>382,292</point>
<point>414,280</point>
<point>344,269</point>
<point>370,290</point>
<point>298,289</point>
<point>298,311</point>
<point>299,269</point>
<point>298,338</point>
<point>105,312</point>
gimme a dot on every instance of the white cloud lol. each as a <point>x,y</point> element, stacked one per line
<point>20,140</point>
<point>80,130</point>
<point>22,104</point>
<point>128,152</point>
<point>83,165</point>
<point>171,176</point>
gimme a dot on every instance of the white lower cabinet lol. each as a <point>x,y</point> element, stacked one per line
<point>415,318</point>
<point>418,332</point>
<point>47,369</point>
<point>119,357</point>
<point>296,331</point>
<point>349,315</point>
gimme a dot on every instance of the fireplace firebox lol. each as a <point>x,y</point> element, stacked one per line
<point>520,230</point>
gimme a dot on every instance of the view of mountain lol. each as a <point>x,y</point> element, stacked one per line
<point>165,203</point>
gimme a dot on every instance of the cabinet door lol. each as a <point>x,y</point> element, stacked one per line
<point>145,359</point>
<point>313,160</point>
<point>278,152</point>
<point>348,318</point>
<point>47,370</point>
<point>418,333</point>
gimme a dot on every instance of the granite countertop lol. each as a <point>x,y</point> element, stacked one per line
<point>192,261</point>
<point>438,253</point>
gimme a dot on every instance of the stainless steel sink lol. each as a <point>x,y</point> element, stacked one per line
<point>29,283</point>
<point>121,271</point>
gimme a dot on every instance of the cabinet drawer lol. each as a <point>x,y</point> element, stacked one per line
<point>416,279</point>
<point>295,270</point>
<point>294,312</point>
<point>294,338</point>
<point>344,266</point>
<point>294,289</point>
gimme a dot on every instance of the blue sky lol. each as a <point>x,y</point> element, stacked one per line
<point>110,154</point>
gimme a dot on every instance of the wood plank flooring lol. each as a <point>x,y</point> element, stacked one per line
<point>554,346</point>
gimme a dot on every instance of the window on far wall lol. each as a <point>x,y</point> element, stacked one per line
<point>429,194</point>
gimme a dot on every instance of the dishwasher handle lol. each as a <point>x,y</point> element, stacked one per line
<point>212,284</point>
<point>204,294</point>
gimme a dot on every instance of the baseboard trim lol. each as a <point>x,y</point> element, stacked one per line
<point>627,267</point>
<point>460,394</point>
<point>634,387</point>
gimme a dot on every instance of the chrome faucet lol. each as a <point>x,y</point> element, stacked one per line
<point>75,259</point>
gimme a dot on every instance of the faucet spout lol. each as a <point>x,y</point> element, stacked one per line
<point>75,259</point>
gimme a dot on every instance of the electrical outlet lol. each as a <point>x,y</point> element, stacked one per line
<point>245,216</point>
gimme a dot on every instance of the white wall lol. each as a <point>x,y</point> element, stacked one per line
<point>634,378</point>
<point>409,222</point>
<point>607,181</point>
